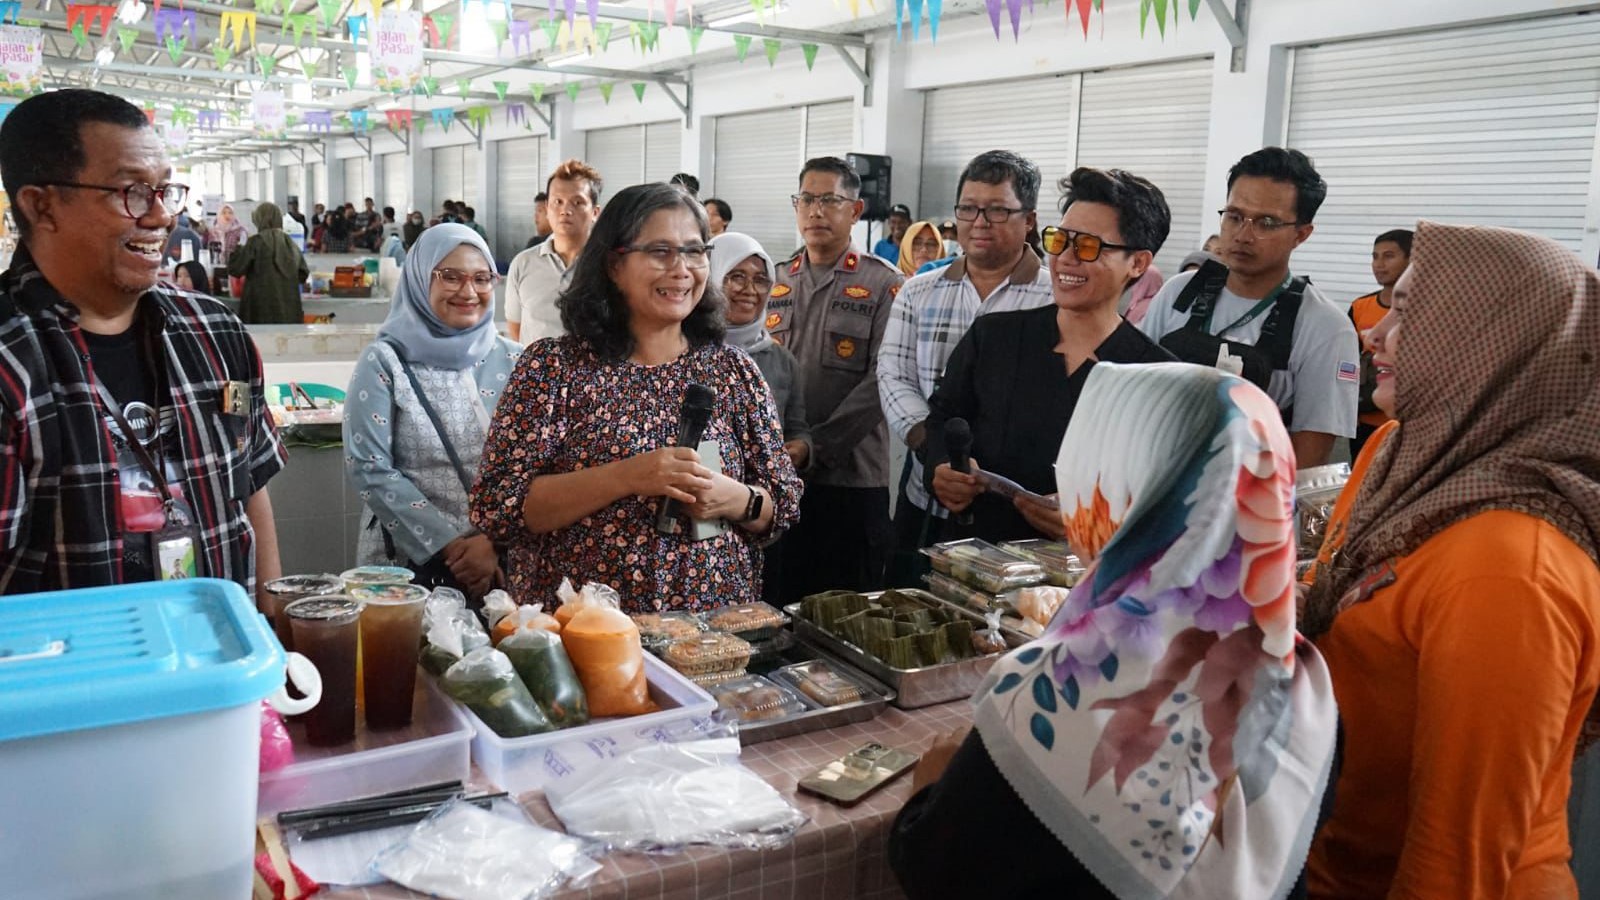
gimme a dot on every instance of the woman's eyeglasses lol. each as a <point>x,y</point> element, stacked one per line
<point>665,257</point>
<point>742,282</point>
<point>1086,247</point>
<point>455,279</point>
<point>137,198</point>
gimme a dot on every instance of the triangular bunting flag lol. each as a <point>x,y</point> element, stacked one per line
<point>266,61</point>
<point>552,31</point>
<point>639,89</point>
<point>430,32</point>
<point>310,68</point>
<point>127,36</point>
<point>1083,7</point>
<point>501,29</point>
<point>80,35</point>
<point>606,88</point>
<point>355,25</point>
<point>445,23</point>
<point>478,115</point>
<point>521,36</point>
<point>175,48</point>
<point>538,93</point>
<point>464,86</point>
<point>772,45</point>
<point>330,11</point>
<point>291,120</point>
<point>350,73</point>
<point>1014,11</point>
<point>430,85</point>
<point>270,7</point>
<point>1161,16</point>
<point>220,54</point>
<point>602,34</point>
<point>298,24</point>
<point>741,44</point>
<point>695,34</point>
<point>398,118</point>
<point>444,117</point>
<point>9,10</point>
<point>935,13</point>
<point>1194,9</point>
<point>514,113</point>
<point>358,119</point>
<point>500,88</point>
<point>238,24</point>
<point>572,91</point>
<point>809,51</point>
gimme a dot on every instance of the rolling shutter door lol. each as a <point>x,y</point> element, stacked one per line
<point>1152,121</point>
<point>396,188</point>
<point>618,155</point>
<point>830,129</point>
<point>449,179</point>
<point>471,189</point>
<point>1492,124</point>
<point>663,150</point>
<point>756,166</point>
<point>1036,119</point>
<point>519,175</point>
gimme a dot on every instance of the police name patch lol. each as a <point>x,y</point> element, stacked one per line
<point>1349,371</point>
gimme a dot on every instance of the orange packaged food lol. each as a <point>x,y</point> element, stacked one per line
<point>532,616</point>
<point>605,649</point>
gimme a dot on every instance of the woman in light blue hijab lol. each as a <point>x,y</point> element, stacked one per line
<point>418,410</point>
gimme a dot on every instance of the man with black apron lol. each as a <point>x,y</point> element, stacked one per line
<point>1251,316</point>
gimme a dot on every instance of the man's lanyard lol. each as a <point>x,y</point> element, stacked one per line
<point>141,451</point>
<point>1255,311</point>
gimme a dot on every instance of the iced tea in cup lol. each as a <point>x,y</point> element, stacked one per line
<point>391,643</point>
<point>280,592</point>
<point>326,631</point>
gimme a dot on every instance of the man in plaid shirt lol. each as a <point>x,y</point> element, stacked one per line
<point>134,439</point>
<point>995,200</point>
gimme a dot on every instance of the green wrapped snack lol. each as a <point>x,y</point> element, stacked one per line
<point>488,684</point>
<point>542,664</point>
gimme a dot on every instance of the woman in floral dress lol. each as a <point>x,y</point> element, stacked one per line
<point>581,453</point>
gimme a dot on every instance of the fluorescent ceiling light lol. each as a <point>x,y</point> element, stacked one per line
<point>570,59</point>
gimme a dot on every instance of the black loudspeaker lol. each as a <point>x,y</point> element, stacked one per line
<point>874,172</point>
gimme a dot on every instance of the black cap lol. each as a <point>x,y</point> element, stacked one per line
<point>900,209</point>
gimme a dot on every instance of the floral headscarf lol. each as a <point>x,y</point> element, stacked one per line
<point>1168,727</point>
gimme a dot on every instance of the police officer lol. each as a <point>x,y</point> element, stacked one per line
<point>1252,318</point>
<point>830,308</point>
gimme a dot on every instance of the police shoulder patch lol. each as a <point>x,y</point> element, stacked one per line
<point>774,320</point>
<point>857,292</point>
<point>780,290</point>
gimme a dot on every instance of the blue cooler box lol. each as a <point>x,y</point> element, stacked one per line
<point>130,730</point>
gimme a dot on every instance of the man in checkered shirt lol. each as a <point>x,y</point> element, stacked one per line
<point>133,426</point>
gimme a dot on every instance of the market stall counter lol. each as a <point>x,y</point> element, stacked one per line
<point>840,853</point>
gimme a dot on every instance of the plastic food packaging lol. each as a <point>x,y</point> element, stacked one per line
<point>755,699</point>
<point>1039,604</point>
<point>604,647</point>
<point>707,653</point>
<point>497,604</point>
<point>664,628</point>
<point>530,616</point>
<point>821,682</point>
<point>463,852</point>
<point>670,795</point>
<point>574,600</point>
<point>365,575</point>
<point>983,565</point>
<point>542,664</point>
<point>449,633</point>
<point>712,679</point>
<point>988,640</point>
<point>752,621</point>
<point>1316,490</point>
<point>487,683</point>
<point>277,750</point>
<point>1062,567</point>
<point>946,588</point>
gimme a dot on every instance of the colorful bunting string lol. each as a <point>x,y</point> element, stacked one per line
<point>175,48</point>
<point>514,113</point>
<point>220,54</point>
<point>9,10</point>
<point>399,119</point>
<point>772,45</point>
<point>319,120</point>
<point>552,31</point>
<point>500,88</point>
<point>478,115</point>
<point>128,36</point>
<point>445,23</point>
<point>809,51</point>
<point>639,89</point>
<point>464,86</point>
<point>356,25</point>
<point>445,117</point>
<point>602,35</point>
<point>239,23</point>
<point>266,61</point>
<point>538,92</point>
<point>695,34</point>
<point>741,44</point>
<point>358,120</point>
<point>350,73</point>
<point>329,10</point>
<point>606,88</point>
<point>521,36</point>
<point>572,91</point>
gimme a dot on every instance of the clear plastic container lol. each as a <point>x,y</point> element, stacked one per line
<point>707,653</point>
<point>1062,567</point>
<point>755,699</point>
<point>528,763</point>
<point>365,575</point>
<point>946,588</point>
<point>712,679</point>
<point>822,682</point>
<point>983,565</point>
<point>752,621</point>
<point>657,629</point>
<point>390,593</point>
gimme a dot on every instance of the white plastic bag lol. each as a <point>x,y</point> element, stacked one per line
<point>463,852</point>
<point>668,796</point>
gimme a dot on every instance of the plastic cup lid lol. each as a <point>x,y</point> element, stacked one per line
<point>305,584</point>
<point>378,575</point>
<point>325,608</point>
<point>390,594</point>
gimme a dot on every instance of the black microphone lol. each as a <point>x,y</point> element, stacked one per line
<point>958,444</point>
<point>692,420</point>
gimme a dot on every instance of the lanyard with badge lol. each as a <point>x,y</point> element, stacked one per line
<point>173,543</point>
<point>1255,311</point>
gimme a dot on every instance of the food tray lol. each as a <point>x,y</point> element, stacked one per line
<point>707,653</point>
<point>776,701</point>
<point>966,596</point>
<point>913,688</point>
<point>527,763</point>
<point>765,621</point>
<point>433,749</point>
<point>660,629</point>
<point>1011,624</point>
<point>983,565</point>
<point>1062,567</point>
<point>874,697</point>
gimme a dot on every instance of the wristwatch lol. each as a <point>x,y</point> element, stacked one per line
<point>752,510</point>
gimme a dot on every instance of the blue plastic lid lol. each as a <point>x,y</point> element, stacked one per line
<point>90,658</point>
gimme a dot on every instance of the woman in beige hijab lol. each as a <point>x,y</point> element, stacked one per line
<point>273,269</point>
<point>1458,603</point>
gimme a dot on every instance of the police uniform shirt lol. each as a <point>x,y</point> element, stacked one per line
<point>833,319</point>
<point>1324,369</point>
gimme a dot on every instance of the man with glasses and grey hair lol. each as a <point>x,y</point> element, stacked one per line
<point>1247,315</point>
<point>996,196</point>
<point>830,307</point>
<point>135,438</point>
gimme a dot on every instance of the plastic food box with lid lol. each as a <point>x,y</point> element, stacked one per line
<point>528,763</point>
<point>983,565</point>
<point>130,731</point>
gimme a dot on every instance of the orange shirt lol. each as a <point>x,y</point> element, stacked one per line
<point>1462,688</point>
<point>1366,312</point>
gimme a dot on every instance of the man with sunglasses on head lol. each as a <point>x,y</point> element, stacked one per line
<point>996,197</point>
<point>829,308</point>
<point>1016,376</point>
<point>1247,315</point>
<point>133,426</point>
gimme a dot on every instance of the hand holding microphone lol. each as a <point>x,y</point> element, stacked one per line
<point>953,482</point>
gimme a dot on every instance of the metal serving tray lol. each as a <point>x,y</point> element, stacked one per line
<point>818,717</point>
<point>924,686</point>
